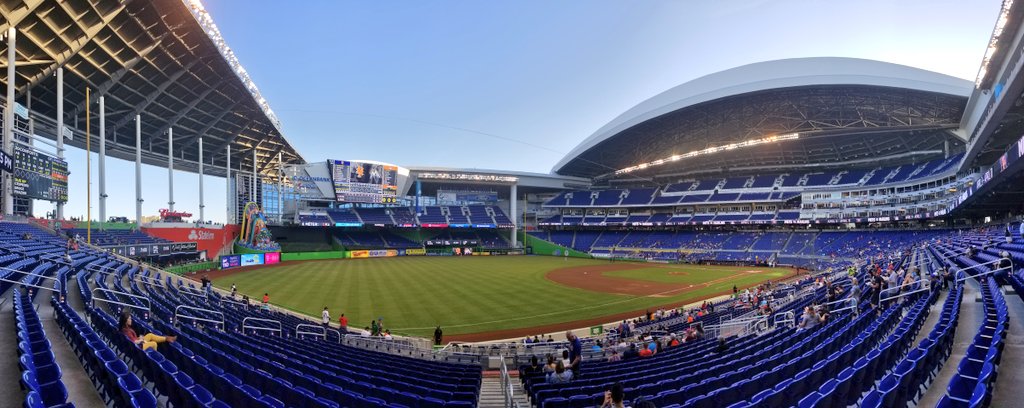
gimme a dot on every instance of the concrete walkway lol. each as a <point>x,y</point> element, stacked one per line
<point>81,392</point>
<point>1006,392</point>
<point>971,316</point>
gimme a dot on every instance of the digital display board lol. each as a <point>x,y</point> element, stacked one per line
<point>39,176</point>
<point>359,182</point>
<point>232,261</point>
<point>252,259</point>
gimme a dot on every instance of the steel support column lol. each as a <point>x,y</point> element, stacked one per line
<point>138,171</point>
<point>60,129</point>
<point>229,218</point>
<point>252,191</point>
<point>170,169</point>
<point>201,204</point>
<point>9,121</point>
<point>102,163</point>
<point>513,197</point>
<point>280,189</point>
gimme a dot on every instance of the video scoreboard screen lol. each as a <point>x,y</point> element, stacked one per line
<point>39,176</point>
<point>358,182</point>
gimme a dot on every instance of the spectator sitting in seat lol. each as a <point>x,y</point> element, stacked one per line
<point>613,397</point>
<point>646,352</point>
<point>561,375</point>
<point>550,366</point>
<point>722,346</point>
<point>565,358</point>
<point>614,357</point>
<point>534,367</point>
<point>631,352</point>
<point>810,319</point>
<point>149,341</point>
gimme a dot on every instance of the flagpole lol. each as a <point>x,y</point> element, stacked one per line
<point>88,174</point>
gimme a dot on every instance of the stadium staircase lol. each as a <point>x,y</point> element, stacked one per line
<point>491,395</point>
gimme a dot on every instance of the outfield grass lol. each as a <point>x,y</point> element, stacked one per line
<point>464,295</point>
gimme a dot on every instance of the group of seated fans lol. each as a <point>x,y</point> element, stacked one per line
<point>148,340</point>
<point>854,333</point>
<point>851,339</point>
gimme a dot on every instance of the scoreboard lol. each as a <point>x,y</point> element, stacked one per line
<point>39,176</point>
<point>360,182</point>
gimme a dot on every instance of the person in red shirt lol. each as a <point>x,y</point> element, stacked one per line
<point>343,322</point>
<point>149,341</point>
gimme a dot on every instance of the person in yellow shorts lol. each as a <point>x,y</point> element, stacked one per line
<point>149,341</point>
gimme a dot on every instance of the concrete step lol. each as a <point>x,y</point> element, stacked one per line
<point>491,395</point>
<point>80,389</point>
<point>10,374</point>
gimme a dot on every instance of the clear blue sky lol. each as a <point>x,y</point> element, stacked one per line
<point>398,81</point>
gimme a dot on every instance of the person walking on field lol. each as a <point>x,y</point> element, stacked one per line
<point>327,317</point>
<point>343,322</point>
<point>437,336</point>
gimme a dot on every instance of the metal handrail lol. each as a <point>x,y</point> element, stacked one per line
<point>224,299</point>
<point>990,272</point>
<point>27,285</point>
<point>245,324</point>
<point>27,273</point>
<point>336,331</point>
<point>193,294</point>
<point>178,316</point>
<point>55,259</point>
<point>100,269</point>
<point>984,264</point>
<point>787,318</point>
<point>105,291</point>
<point>843,309</point>
<point>299,330</point>
<point>904,294</point>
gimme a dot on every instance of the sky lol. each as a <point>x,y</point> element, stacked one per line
<point>515,85</point>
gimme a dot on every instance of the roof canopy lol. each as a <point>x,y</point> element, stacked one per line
<point>845,110</point>
<point>163,60</point>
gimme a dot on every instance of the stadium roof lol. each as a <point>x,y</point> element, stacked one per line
<point>846,111</point>
<point>163,60</point>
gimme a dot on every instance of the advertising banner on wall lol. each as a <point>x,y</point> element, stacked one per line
<point>232,261</point>
<point>415,252</point>
<point>146,250</point>
<point>252,259</point>
<point>211,240</point>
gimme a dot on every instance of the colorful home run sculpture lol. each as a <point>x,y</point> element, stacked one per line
<point>254,233</point>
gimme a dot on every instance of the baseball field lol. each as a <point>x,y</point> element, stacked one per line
<point>487,298</point>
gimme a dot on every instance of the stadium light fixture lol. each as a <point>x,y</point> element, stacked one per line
<point>710,150</point>
<point>1004,16</point>
<point>206,22</point>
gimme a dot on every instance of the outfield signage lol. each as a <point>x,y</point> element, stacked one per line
<point>451,242</point>
<point>233,261</point>
<point>6,162</point>
<point>144,250</point>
